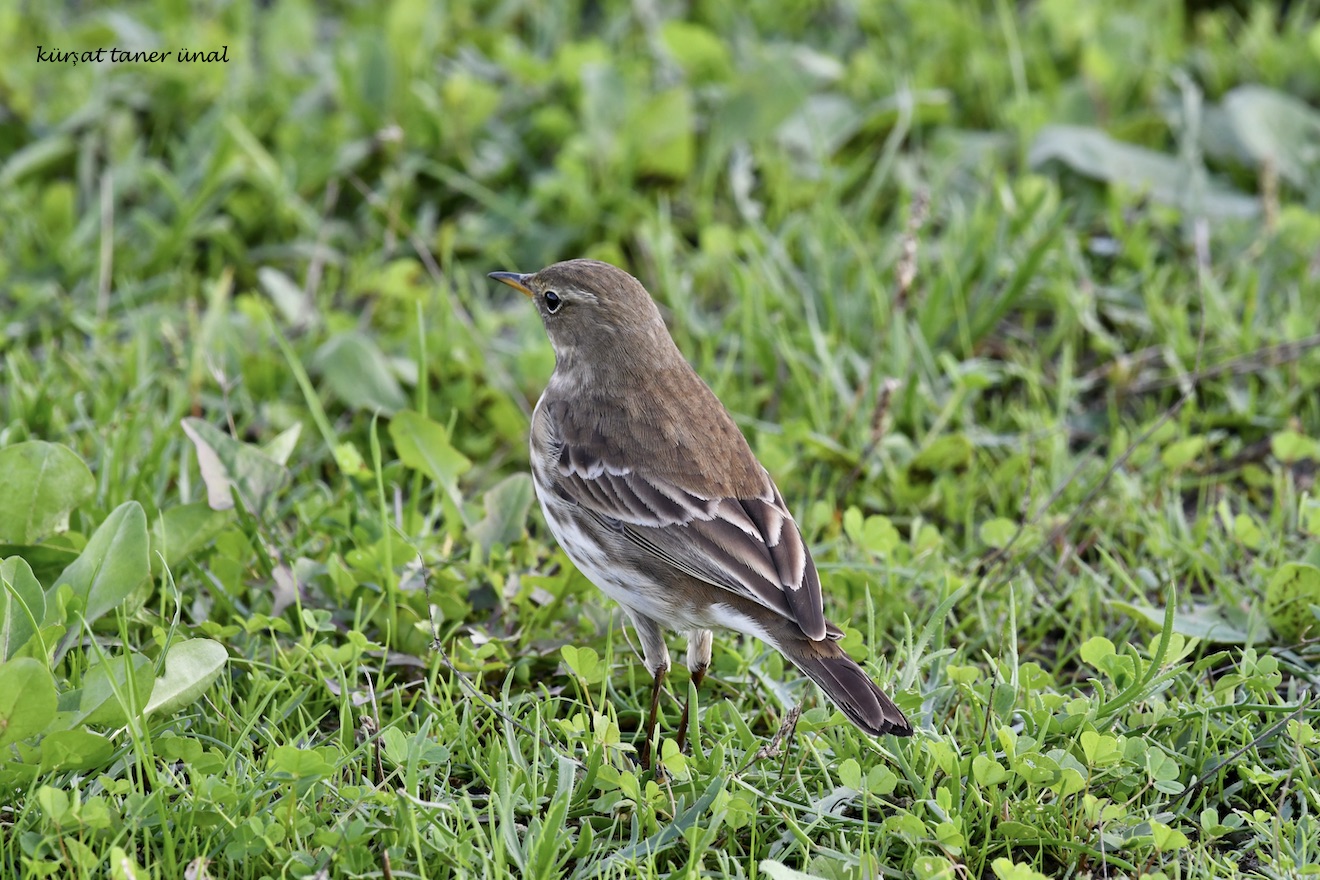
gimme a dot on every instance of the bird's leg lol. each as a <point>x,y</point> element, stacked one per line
<point>656,656</point>
<point>657,687</point>
<point>698,661</point>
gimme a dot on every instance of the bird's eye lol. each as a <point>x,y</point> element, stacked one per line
<point>552,301</point>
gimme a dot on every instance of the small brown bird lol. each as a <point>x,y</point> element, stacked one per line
<point>655,495</point>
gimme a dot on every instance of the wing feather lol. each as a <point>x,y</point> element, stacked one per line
<point>750,546</point>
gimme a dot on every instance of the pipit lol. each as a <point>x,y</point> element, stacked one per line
<point>653,492</point>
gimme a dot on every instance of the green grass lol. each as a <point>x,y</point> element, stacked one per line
<point>1077,538</point>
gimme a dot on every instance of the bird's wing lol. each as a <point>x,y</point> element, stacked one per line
<point>748,545</point>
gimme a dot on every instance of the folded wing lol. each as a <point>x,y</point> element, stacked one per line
<point>748,545</point>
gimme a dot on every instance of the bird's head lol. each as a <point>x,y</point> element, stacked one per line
<point>587,304</point>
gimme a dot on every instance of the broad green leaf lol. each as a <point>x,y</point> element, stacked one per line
<point>881,780</point>
<point>1003,697</point>
<point>853,524</point>
<point>1037,769</point>
<point>96,699</point>
<point>507,504</point>
<point>605,101</point>
<point>998,532</point>
<point>300,763</point>
<point>55,803</point>
<point>296,308</point>
<point>351,463</point>
<point>74,750</point>
<point>702,55</point>
<point>946,454</point>
<point>1181,453</point>
<point>1096,650</point>
<point>1291,592</point>
<point>190,668</point>
<point>822,125</point>
<point>1278,129</point>
<point>879,535</point>
<point>281,446</point>
<point>112,565</point>
<point>181,531</point>
<point>1100,749</point>
<point>762,95</point>
<point>184,749</point>
<point>1291,447</point>
<point>850,773</point>
<point>39,484</point>
<point>775,870</point>
<point>962,674</point>
<point>358,373</point>
<point>987,771</point>
<point>1167,839</point>
<point>1248,532</point>
<point>22,605</point>
<point>227,464</point>
<point>424,444</point>
<point>584,663</point>
<point>933,868</point>
<point>1007,870</point>
<point>1167,179</point>
<point>27,700</point>
<point>1195,620</point>
<point>470,100</point>
<point>664,135</point>
<point>1310,517</point>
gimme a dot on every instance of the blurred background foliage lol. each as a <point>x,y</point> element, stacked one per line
<point>1020,297</point>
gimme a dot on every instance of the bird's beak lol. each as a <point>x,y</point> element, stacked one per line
<point>514,280</point>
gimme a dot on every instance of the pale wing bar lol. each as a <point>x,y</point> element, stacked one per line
<point>750,546</point>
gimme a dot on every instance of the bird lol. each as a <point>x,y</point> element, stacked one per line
<point>655,495</point>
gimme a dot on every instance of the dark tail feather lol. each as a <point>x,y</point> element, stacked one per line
<point>848,686</point>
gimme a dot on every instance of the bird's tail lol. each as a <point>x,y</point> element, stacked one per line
<point>848,685</point>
